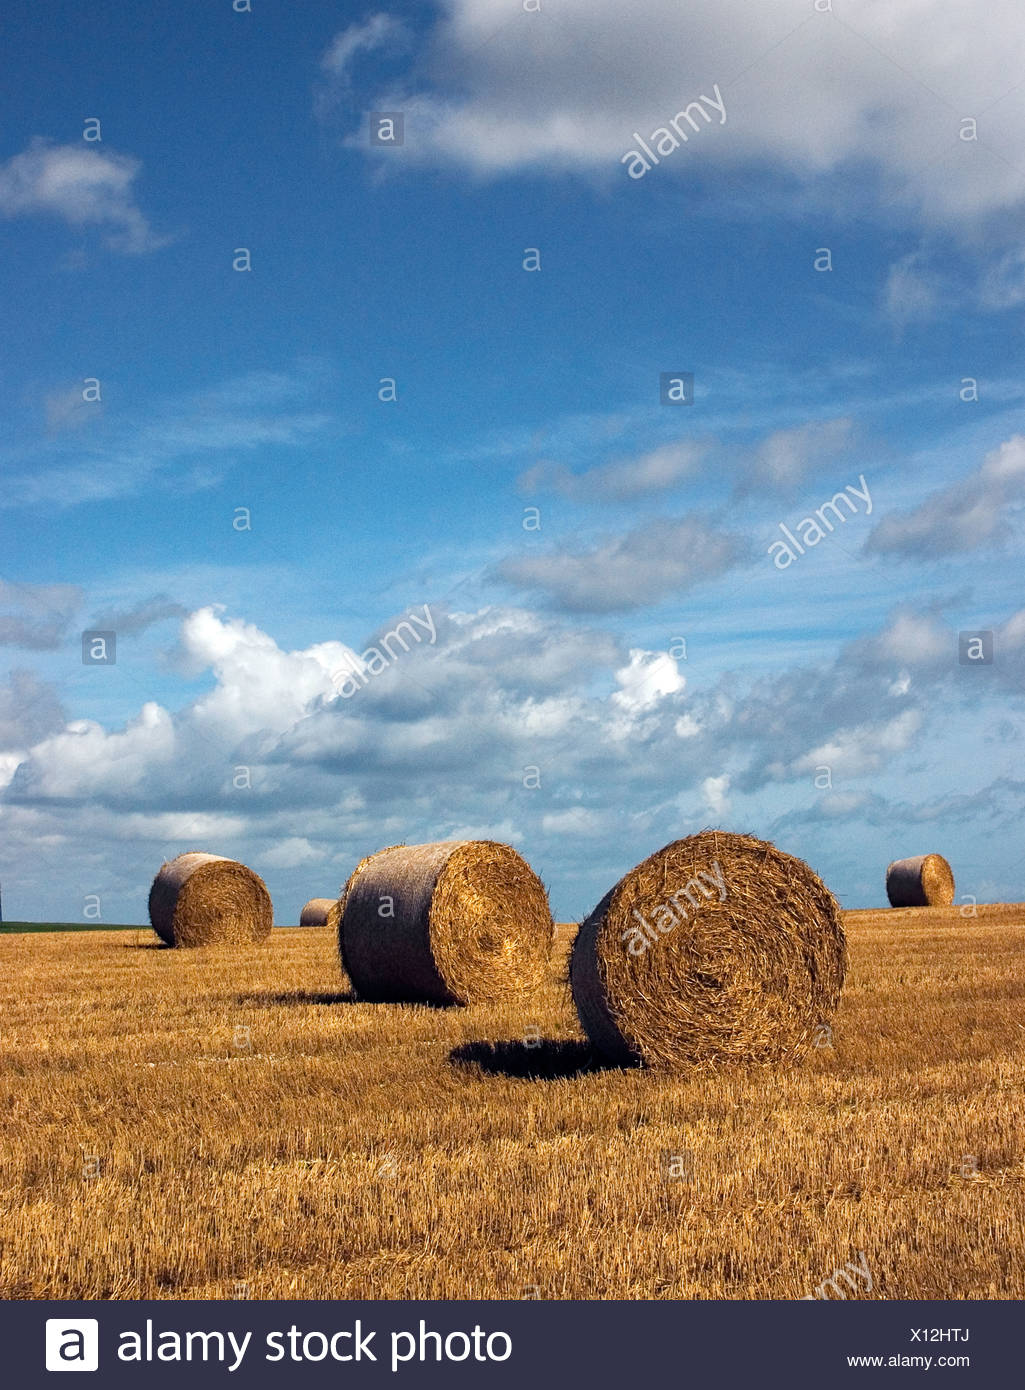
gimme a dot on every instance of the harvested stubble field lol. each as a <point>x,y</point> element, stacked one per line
<point>153,1148</point>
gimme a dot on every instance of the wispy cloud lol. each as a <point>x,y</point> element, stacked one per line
<point>999,803</point>
<point>83,187</point>
<point>912,293</point>
<point>622,480</point>
<point>67,408</point>
<point>961,517</point>
<point>785,458</point>
<point>30,710</point>
<point>37,616</point>
<point>629,571</point>
<point>142,615</point>
<point>1003,285</point>
<point>379,33</point>
<point>192,440</point>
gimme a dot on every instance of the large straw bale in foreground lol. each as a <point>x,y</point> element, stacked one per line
<point>927,881</point>
<point>718,948</point>
<point>315,913</point>
<point>452,922</point>
<point>202,899</point>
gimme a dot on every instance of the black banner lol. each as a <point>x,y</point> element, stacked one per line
<point>532,1344</point>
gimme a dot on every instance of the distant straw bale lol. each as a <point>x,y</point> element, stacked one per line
<point>200,899</point>
<point>719,948</point>
<point>927,881</point>
<point>456,921</point>
<point>315,913</point>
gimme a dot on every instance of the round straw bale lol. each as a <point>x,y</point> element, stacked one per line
<point>314,914</point>
<point>719,948</point>
<point>334,916</point>
<point>447,923</point>
<point>927,881</point>
<point>201,899</point>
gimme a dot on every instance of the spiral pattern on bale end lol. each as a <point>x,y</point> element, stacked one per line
<point>718,948</point>
<point>925,881</point>
<point>202,899</point>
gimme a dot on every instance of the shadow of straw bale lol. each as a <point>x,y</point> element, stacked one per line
<point>544,1060</point>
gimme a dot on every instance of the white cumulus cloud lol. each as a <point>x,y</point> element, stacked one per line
<point>870,84</point>
<point>82,186</point>
<point>714,792</point>
<point>648,677</point>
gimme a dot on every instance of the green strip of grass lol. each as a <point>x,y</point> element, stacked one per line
<point>14,927</point>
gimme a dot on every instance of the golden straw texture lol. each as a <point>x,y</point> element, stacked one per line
<point>927,881</point>
<point>719,948</point>
<point>451,922</point>
<point>199,899</point>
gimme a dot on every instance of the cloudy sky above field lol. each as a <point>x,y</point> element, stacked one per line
<point>271,389</point>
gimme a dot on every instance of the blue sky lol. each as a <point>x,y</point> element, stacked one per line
<point>837,259</point>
